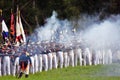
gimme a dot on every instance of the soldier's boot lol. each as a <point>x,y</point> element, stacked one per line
<point>20,75</point>
<point>26,76</point>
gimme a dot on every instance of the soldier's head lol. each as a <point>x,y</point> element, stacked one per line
<point>24,51</point>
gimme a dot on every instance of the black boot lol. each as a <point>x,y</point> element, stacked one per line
<point>26,76</point>
<point>20,75</point>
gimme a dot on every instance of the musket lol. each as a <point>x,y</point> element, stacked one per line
<point>15,55</point>
<point>27,43</point>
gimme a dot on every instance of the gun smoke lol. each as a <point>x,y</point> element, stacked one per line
<point>94,33</point>
<point>89,31</point>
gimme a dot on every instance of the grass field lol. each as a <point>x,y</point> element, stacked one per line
<point>99,72</point>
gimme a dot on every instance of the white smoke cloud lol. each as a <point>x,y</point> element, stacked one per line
<point>53,30</point>
<point>96,34</point>
<point>104,34</point>
<point>46,32</point>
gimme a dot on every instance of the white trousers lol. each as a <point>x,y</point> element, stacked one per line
<point>32,68</point>
<point>88,57</point>
<point>78,56</point>
<point>60,58</point>
<point>16,68</point>
<point>50,61</point>
<point>45,61</point>
<point>6,65</point>
<point>71,58</point>
<point>40,62</point>
<point>36,62</point>
<point>54,60</point>
<point>65,54</point>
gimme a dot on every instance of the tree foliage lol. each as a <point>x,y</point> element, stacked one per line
<point>66,9</point>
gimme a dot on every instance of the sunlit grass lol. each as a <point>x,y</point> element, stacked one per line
<point>70,73</point>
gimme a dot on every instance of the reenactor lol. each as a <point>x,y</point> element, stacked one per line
<point>49,58</point>
<point>71,57</point>
<point>24,61</point>
<point>6,63</point>
<point>87,57</point>
<point>54,59</point>
<point>78,55</point>
<point>59,53</point>
<point>45,60</point>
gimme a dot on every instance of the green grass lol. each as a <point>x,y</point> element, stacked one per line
<point>98,72</point>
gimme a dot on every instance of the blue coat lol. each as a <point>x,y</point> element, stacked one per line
<point>24,57</point>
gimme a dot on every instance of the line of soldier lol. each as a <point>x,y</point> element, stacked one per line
<point>47,56</point>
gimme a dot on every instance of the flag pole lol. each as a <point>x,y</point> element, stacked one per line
<point>1,12</point>
<point>1,24</point>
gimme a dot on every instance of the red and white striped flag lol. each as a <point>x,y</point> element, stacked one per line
<point>20,35</point>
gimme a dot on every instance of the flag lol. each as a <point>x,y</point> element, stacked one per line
<point>5,32</point>
<point>18,32</point>
<point>20,35</point>
<point>12,27</point>
<point>22,30</point>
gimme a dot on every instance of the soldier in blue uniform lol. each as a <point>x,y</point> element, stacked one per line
<point>24,61</point>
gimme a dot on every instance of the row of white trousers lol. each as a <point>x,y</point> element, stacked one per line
<point>54,60</point>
